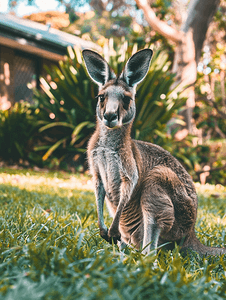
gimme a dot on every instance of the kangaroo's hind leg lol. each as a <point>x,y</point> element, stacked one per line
<point>151,233</point>
<point>158,213</point>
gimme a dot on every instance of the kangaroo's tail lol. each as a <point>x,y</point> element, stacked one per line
<point>192,243</point>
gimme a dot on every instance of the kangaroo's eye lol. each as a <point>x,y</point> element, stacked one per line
<point>101,97</point>
<point>126,101</point>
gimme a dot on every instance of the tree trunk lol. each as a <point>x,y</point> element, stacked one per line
<point>189,41</point>
<point>99,6</point>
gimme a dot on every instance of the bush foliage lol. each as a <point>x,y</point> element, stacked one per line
<point>50,247</point>
<point>55,130</point>
<point>67,107</point>
<point>17,126</point>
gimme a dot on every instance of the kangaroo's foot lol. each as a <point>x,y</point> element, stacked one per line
<point>114,235</point>
<point>104,234</point>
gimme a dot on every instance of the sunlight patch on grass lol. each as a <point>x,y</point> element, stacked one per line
<point>31,182</point>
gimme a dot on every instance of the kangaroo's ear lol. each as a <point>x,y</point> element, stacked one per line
<point>137,67</point>
<point>97,67</point>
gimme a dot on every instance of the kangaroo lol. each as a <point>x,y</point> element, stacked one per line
<point>149,194</point>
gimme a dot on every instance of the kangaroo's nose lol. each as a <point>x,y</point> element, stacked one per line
<point>110,116</point>
<point>110,119</point>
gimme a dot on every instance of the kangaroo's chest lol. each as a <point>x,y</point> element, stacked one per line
<point>109,166</point>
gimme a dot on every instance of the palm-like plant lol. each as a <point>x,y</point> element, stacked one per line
<point>67,107</point>
<point>156,101</point>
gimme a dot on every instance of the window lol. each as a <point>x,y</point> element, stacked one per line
<point>25,76</point>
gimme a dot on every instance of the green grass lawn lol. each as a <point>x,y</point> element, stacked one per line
<point>51,249</point>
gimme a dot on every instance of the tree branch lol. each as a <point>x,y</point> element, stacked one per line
<point>214,104</point>
<point>211,170</point>
<point>158,25</point>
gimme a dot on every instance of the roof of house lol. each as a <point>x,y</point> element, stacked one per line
<point>37,38</point>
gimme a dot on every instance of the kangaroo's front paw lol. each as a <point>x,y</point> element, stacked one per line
<point>114,236</point>
<point>104,234</point>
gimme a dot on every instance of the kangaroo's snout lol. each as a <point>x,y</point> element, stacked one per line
<point>110,119</point>
<point>110,111</point>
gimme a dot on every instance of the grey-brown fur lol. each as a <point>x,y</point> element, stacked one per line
<point>150,196</point>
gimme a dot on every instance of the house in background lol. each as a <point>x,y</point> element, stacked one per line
<point>25,47</point>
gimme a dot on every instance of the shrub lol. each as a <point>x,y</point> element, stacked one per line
<point>67,107</point>
<point>17,127</point>
<point>156,102</point>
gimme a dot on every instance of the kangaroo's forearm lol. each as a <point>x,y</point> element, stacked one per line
<point>100,195</point>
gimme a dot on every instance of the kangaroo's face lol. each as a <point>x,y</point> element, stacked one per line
<point>116,97</point>
<point>116,104</point>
